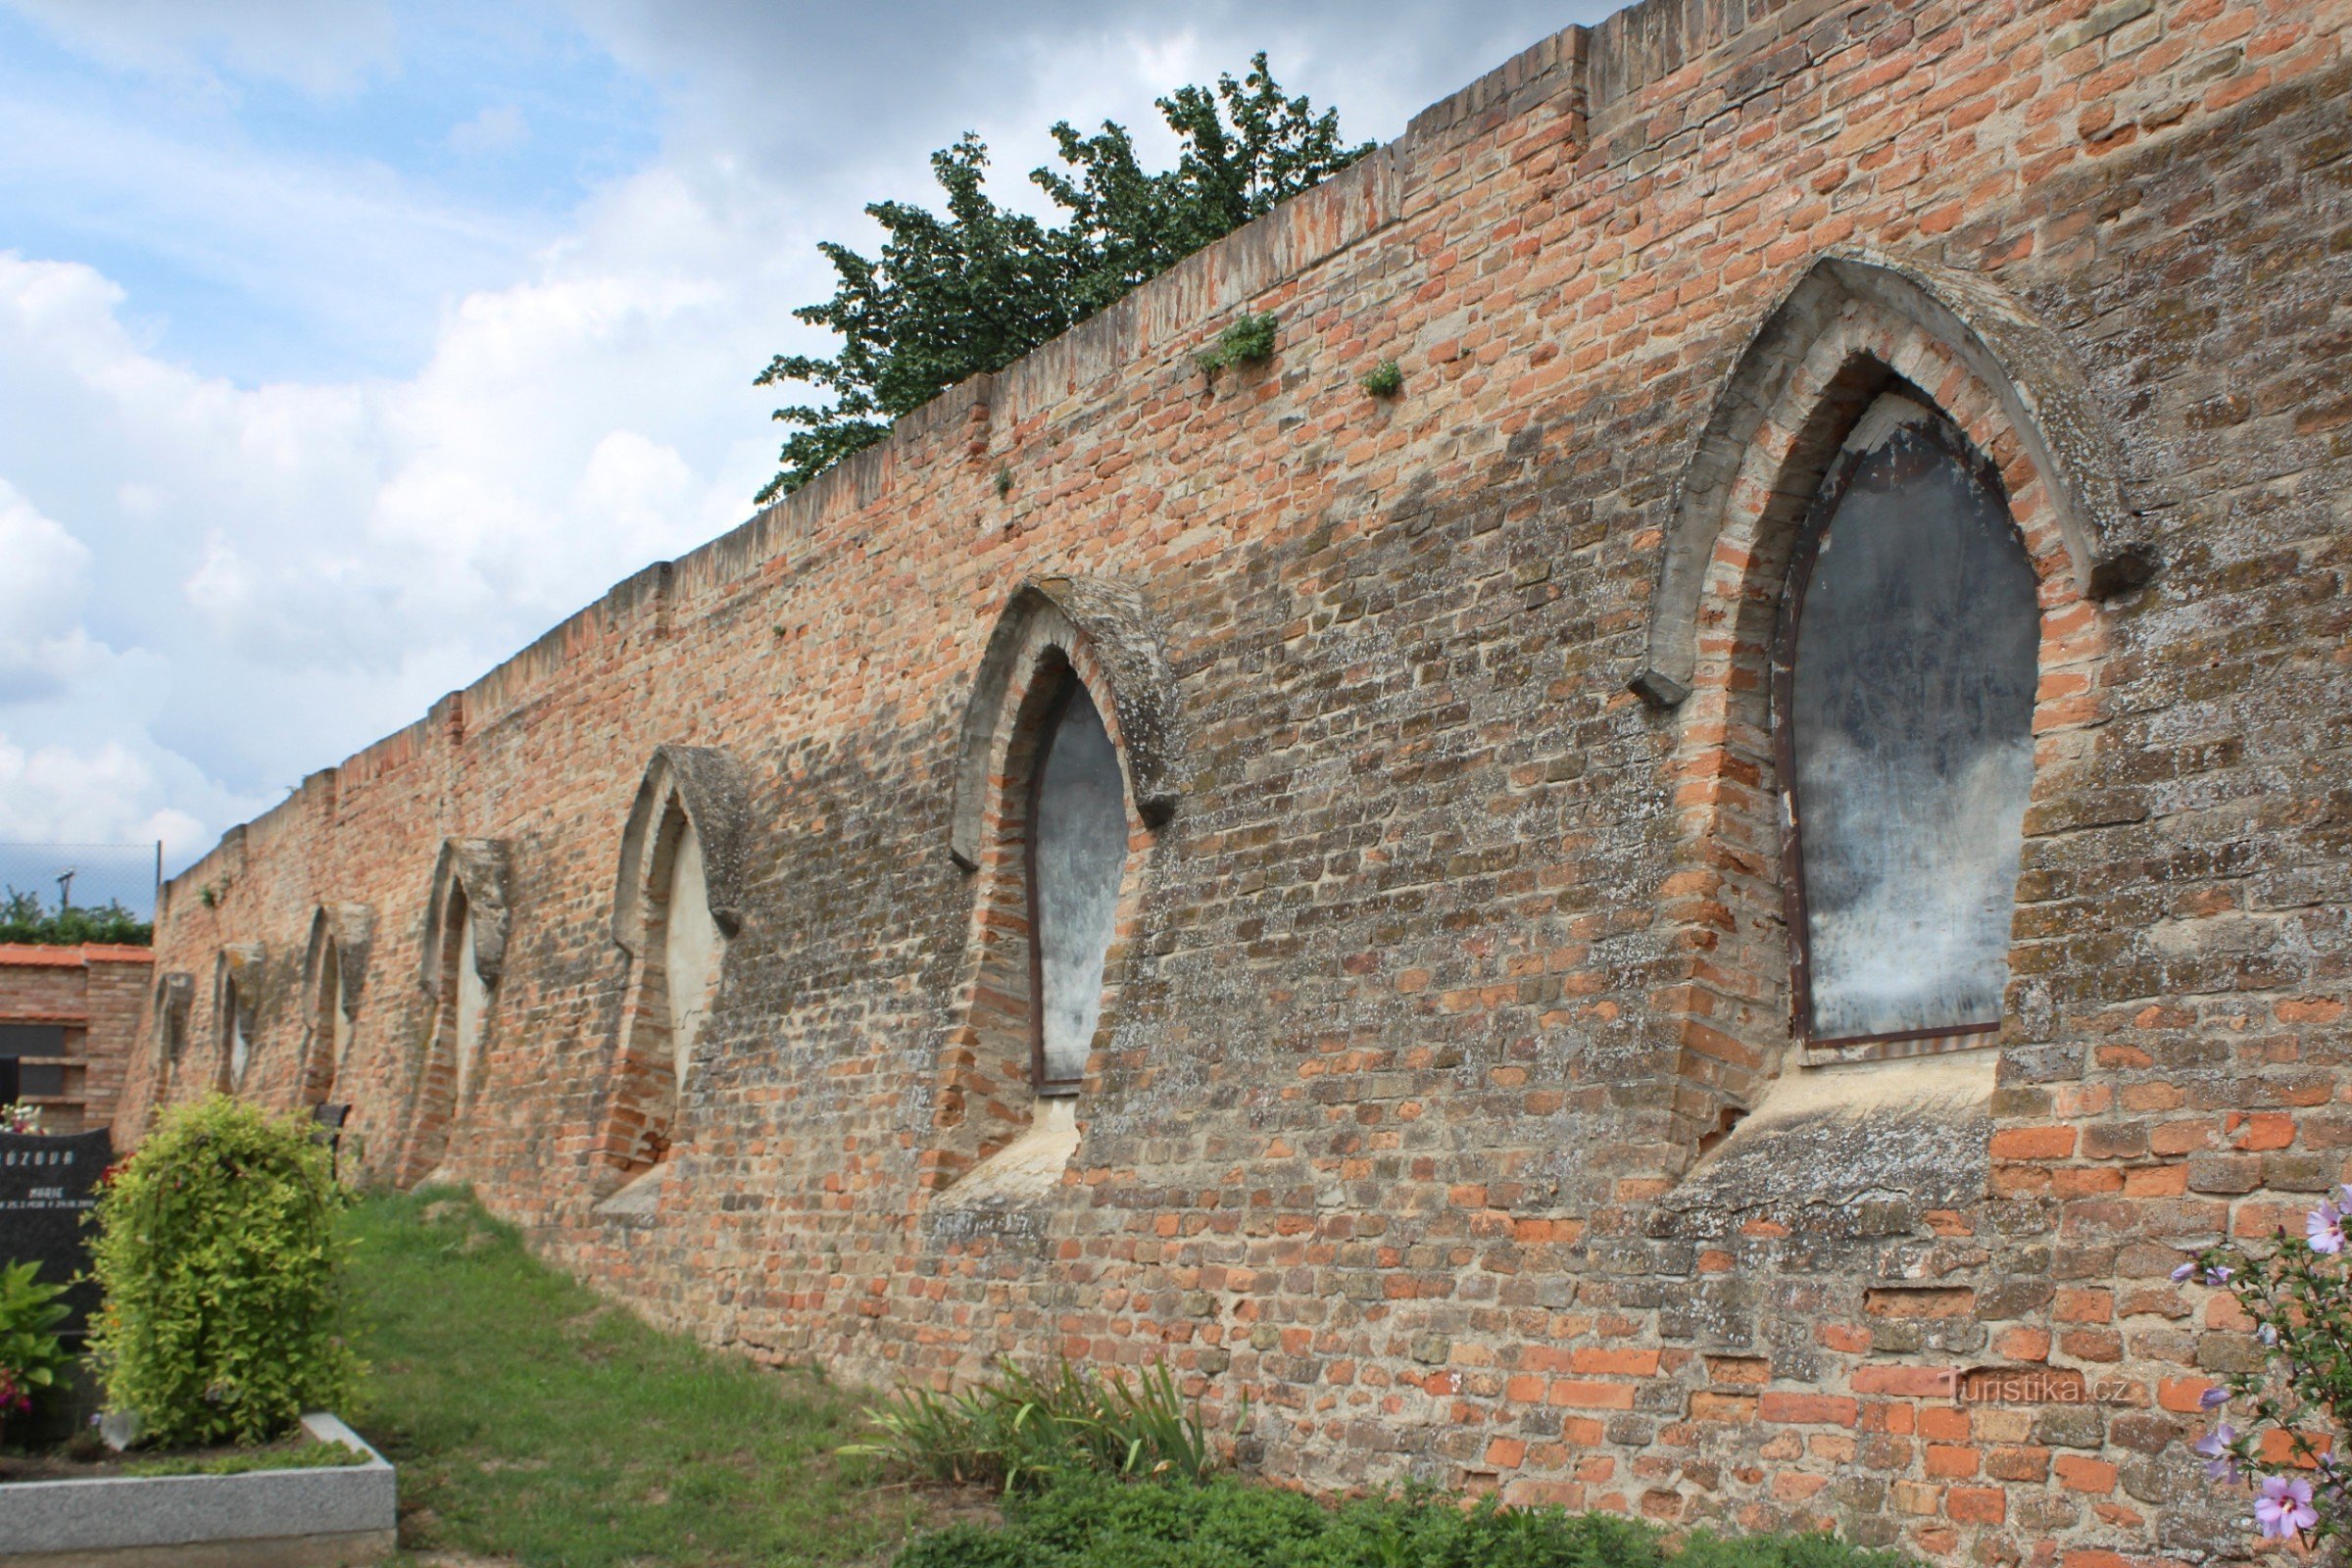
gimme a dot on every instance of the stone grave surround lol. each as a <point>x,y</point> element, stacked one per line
<point>1451,1096</point>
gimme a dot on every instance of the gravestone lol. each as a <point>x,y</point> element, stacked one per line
<point>47,1184</point>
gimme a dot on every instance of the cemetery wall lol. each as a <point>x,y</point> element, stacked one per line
<point>1445,1104</point>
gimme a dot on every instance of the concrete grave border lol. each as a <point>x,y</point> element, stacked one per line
<point>260,1519</point>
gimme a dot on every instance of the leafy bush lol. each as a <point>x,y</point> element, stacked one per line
<point>1384,381</point>
<point>1022,1429</point>
<point>30,1356</point>
<point>1090,1521</point>
<point>2299,1399</point>
<point>224,1279</point>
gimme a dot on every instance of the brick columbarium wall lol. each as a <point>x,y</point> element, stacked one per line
<point>73,1015</point>
<point>1445,1101</point>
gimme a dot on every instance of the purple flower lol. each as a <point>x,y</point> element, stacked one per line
<point>2324,1226</point>
<point>2184,1271</point>
<point>2219,1274</point>
<point>2215,1446</point>
<point>2284,1507</point>
<point>2267,1333</point>
<point>2212,1398</point>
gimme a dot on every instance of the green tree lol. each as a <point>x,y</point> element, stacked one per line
<point>24,918</point>
<point>957,294</point>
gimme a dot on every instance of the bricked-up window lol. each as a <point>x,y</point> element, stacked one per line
<point>471,1007</point>
<point>1078,854</point>
<point>1903,694</point>
<point>333,1026</point>
<point>236,1047</point>
<point>690,943</point>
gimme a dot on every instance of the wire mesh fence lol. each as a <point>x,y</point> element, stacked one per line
<point>83,876</point>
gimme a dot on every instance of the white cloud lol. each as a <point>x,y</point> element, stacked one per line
<point>217,588</point>
<point>500,129</point>
<point>317,48</point>
<point>40,594</point>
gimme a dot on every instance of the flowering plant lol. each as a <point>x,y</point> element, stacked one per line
<point>2297,1405</point>
<point>30,1354</point>
<point>19,1118</point>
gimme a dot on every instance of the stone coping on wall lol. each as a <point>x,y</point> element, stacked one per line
<point>41,955</point>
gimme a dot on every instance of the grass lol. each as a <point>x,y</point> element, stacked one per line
<point>307,1456</point>
<point>535,1423</point>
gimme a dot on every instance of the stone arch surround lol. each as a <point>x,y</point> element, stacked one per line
<point>1823,356</point>
<point>1096,632</point>
<point>472,877</point>
<point>705,788</point>
<point>348,932</point>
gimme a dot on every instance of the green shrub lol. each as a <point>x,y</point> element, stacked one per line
<point>1384,381</point>
<point>1248,341</point>
<point>1021,1429</point>
<point>223,1283</point>
<point>1090,1521</point>
<point>30,1356</point>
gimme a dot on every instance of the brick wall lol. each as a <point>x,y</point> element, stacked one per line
<point>1445,1104</point>
<point>98,993</point>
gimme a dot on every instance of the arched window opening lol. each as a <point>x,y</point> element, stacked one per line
<point>1077,857</point>
<point>1903,682</point>
<point>676,905</point>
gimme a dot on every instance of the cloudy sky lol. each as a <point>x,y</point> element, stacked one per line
<point>344,349</point>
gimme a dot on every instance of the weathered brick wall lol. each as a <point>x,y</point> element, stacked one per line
<point>99,991</point>
<point>1455,961</point>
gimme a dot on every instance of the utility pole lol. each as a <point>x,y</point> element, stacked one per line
<point>65,890</point>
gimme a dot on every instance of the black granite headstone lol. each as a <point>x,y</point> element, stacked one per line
<point>46,1184</point>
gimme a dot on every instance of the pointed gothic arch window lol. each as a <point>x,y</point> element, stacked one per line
<point>1903,684</point>
<point>459,963</point>
<point>676,906</point>
<point>236,999</point>
<point>1067,770</point>
<point>335,971</point>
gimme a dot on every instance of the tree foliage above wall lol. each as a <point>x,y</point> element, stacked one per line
<point>956,295</point>
<point>24,918</point>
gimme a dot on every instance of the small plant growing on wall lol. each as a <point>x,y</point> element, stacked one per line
<point>222,1277</point>
<point>2296,1405</point>
<point>1250,340</point>
<point>1383,380</point>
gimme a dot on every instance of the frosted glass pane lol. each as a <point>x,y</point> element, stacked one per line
<point>473,1003</point>
<point>1081,849</point>
<point>1914,752</point>
<point>240,1050</point>
<point>690,947</point>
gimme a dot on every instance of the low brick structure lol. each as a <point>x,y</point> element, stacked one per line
<point>1451,1094</point>
<point>72,1017</point>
